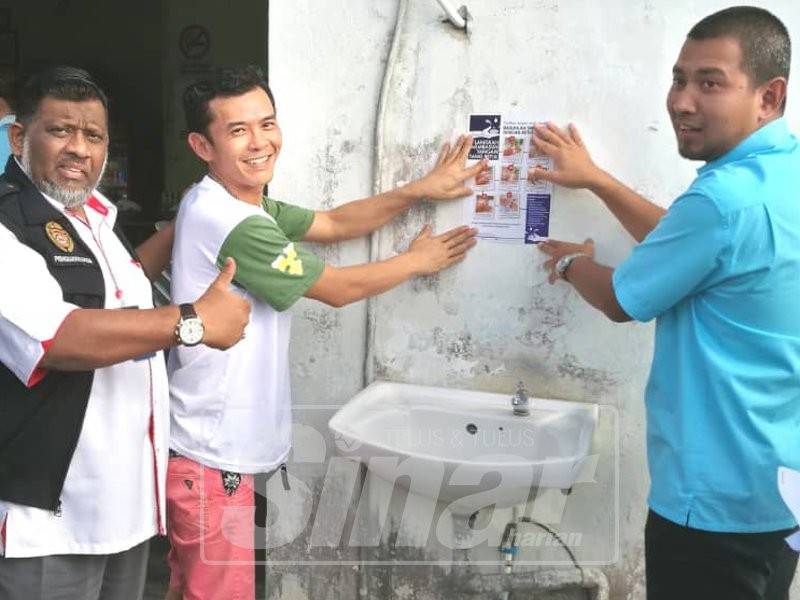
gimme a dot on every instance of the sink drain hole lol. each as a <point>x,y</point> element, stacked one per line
<point>472,428</point>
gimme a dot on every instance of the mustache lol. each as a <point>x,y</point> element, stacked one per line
<point>70,198</point>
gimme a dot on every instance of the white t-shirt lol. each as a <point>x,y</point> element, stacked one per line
<point>231,409</point>
<point>113,495</point>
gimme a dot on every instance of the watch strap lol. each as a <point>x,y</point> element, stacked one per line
<point>187,311</point>
<point>565,261</point>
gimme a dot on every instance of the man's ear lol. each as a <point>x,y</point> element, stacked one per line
<point>201,146</point>
<point>16,137</point>
<point>773,98</point>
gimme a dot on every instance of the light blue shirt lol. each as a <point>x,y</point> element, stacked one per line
<point>5,147</point>
<point>720,273</point>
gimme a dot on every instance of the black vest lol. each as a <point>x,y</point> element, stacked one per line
<point>40,426</point>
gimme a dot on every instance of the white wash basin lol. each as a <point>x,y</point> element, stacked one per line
<point>462,447</point>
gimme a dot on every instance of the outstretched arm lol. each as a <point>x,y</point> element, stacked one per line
<point>360,217</point>
<point>95,338</point>
<point>427,254</point>
<point>574,168</point>
<point>592,280</point>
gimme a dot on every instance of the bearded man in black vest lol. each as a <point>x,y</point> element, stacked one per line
<point>83,388</point>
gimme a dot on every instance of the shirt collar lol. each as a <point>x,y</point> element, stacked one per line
<point>8,120</point>
<point>768,136</point>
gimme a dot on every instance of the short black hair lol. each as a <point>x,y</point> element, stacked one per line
<point>763,39</point>
<point>61,82</point>
<point>224,82</point>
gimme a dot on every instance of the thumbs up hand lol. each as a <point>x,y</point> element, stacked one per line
<point>225,313</point>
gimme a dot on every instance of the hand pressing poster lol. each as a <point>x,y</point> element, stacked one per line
<point>507,206</point>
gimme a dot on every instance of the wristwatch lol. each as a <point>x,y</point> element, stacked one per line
<point>189,330</point>
<point>565,261</point>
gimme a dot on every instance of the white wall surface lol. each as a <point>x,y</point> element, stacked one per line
<point>492,320</point>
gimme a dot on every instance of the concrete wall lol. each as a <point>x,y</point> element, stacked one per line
<point>492,320</point>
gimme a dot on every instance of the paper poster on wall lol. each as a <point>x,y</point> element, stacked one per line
<point>507,206</point>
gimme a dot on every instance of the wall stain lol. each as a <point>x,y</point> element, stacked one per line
<point>324,323</point>
<point>545,315</point>
<point>329,166</point>
<point>596,380</point>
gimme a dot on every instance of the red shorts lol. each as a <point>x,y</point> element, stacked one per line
<point>210,525</point>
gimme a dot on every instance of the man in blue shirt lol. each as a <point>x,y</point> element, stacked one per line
<point>720,273</point>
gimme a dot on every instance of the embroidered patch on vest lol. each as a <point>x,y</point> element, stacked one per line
<point>188,483</point>
<point>59,236</point>
<point>288,261</point>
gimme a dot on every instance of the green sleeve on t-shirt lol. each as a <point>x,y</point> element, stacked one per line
<point>293,220</point>
<point>268,263</point>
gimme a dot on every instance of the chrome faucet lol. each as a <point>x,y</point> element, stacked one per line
<point>519,401</point>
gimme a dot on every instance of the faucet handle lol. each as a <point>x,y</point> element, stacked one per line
<point>520,401</point>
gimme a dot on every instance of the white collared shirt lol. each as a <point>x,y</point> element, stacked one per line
<point>113,495</point>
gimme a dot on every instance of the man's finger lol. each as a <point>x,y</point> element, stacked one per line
<point>462,230</point>
<point>462,248</point>
<point>464,152</point>
<point>551,247</point>
<point>543,146</point>
<point>475,169</point>
<point>461,192</point>
<point>462,238</point>
<point>557,131</point>
<point>424,232</point>
<point>549,250</point>
<point>225,276</point>
<point>576,137</point>
<point>454,234</point>
<point>443,154</point>
<point>537,173</point>
<point>455,151</point>
<point>548,135</point>
<point>452,260</point>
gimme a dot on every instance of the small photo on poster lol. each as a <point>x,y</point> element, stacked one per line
<point>545,164</point>
<point>512,146</point>
<point>484,205</point>
<point>509,205</point>
<point>485,176</point>
<point>532,151</point>
<point>509,173</point>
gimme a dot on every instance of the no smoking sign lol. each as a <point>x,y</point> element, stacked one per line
<point>194,42</point>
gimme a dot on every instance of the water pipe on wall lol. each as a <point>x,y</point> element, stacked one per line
<point>457,17</point>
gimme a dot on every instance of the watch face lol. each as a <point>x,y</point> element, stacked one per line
<point>191,331</point>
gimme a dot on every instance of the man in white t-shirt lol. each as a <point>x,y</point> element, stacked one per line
<point>231,410</point>
<point>83,386</point>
